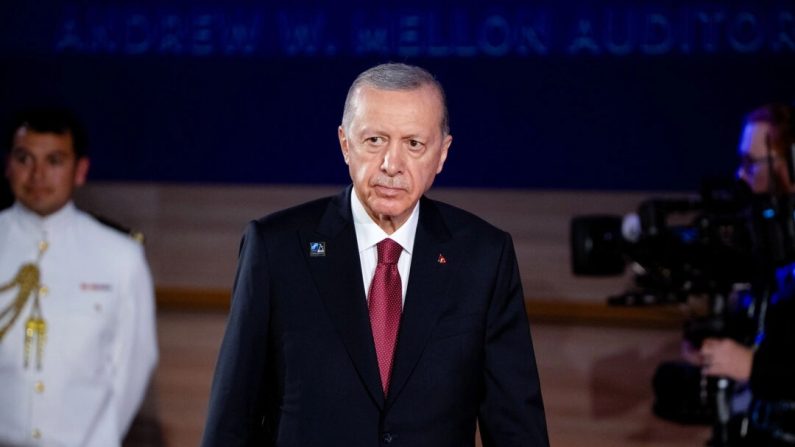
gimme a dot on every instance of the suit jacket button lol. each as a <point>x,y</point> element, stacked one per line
<point>387,438</point>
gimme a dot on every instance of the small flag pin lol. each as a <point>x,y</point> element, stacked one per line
<point>317,249</point>
<point>441,259</point>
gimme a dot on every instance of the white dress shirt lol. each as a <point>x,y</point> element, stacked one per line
<point>101,343</point>
<point>368,234</point>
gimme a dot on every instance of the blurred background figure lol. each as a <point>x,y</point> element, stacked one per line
<point>77,322</point>
<point>767,365</point>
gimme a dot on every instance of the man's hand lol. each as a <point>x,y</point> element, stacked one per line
<point>727,358</point>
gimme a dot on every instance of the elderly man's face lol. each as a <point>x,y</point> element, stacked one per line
<point>394,147</point>
<point>43,170</point>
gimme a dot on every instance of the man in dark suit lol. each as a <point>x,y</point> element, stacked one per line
<point>378,316</point>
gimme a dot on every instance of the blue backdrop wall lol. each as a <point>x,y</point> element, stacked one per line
<point>567,94</point>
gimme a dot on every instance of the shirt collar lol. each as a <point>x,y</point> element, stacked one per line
<point>49,223</point>
<point>368,233</point>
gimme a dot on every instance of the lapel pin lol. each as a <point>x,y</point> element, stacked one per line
<point>441,259</point>
<point>317,249</point>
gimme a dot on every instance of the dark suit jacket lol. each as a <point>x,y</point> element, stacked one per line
<point>298,366</point>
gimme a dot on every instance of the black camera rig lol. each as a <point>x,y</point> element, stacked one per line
<point>731,237</point>
<point>708,246</point>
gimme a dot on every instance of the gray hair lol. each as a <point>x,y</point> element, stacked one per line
<point>395,77</point>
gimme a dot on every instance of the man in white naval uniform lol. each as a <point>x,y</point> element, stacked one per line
<point>78,342</point>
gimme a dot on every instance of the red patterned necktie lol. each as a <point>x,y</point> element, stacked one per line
<point>386,305</point>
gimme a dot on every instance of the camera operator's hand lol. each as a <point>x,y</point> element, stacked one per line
<point>727,358</point>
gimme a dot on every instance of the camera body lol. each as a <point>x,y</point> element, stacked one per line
<point>681,247</point>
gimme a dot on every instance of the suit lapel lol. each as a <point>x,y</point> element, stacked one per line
<point>429,278</point>
<point>338,277</point>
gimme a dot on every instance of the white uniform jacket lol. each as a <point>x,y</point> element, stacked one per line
<point>101,343</point>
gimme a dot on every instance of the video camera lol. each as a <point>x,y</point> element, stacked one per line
<point>692,246</point>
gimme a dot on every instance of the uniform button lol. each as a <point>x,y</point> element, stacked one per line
<point>387,437</point>
<point>43,291</point>
<point>36,433</point>
<point>39,387</point>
